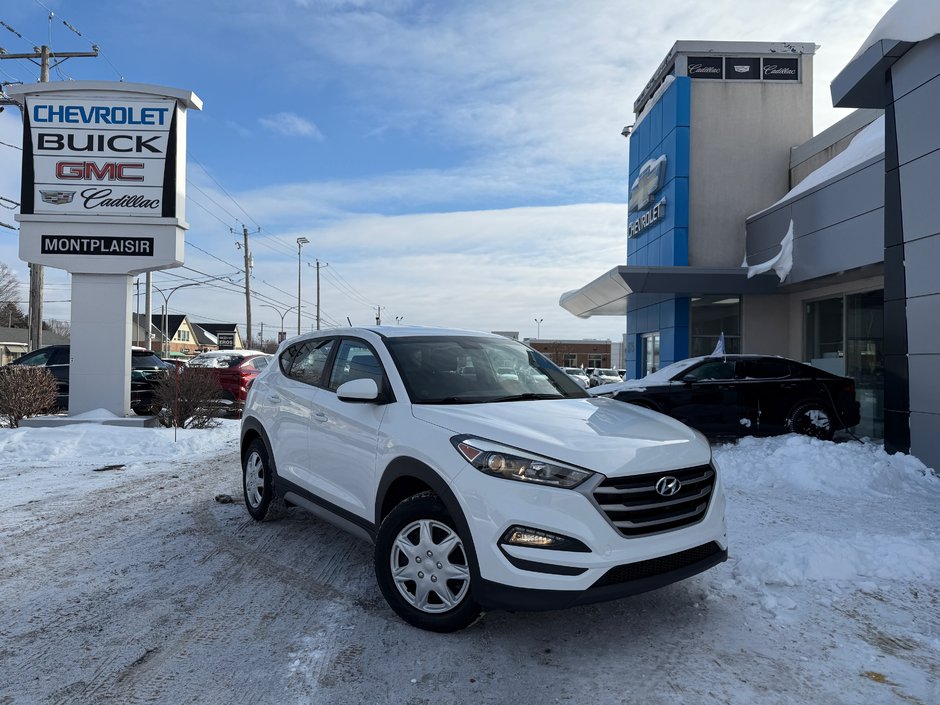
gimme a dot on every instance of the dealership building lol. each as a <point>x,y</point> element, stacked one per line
<point>743,224</point>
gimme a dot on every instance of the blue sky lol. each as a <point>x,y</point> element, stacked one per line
<point>456,163</point>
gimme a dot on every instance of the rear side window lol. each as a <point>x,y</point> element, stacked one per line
<point>355,360</point>
<point>764,369</point>
<point>306,362</point>
<point>712,370</point>
<point>259,363</point>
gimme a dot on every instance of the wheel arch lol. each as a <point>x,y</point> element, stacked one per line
<point>251,430</point>
<point>405,477</point>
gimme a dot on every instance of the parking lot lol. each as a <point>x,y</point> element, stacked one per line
<point>137,585</point>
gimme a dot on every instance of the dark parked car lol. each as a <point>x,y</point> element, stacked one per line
<point>745,395</point>
<point>146,369</point>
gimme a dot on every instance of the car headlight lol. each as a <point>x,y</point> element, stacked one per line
<point>512,464</point>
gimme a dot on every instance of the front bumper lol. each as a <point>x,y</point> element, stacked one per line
<point>523,578</point>
<point>630,579</point>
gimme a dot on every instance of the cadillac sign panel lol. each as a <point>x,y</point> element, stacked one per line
<point>112,157</point>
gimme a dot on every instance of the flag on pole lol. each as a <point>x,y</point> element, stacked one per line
<point>720,348</point>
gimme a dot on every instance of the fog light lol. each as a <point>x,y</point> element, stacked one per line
<point>536,538</point>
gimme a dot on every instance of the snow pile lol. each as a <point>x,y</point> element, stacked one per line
<point>906,21</point>
<point>89,444</point>
<point>808,518</point>
<point>804,464</point>
<point>803,557</point>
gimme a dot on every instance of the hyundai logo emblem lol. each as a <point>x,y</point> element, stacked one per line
<point>668,486</point>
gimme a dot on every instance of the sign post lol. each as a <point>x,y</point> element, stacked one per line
<point>103,197</point>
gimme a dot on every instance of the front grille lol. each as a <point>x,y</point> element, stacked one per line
<point>633,505</point>
<point>658,566</point>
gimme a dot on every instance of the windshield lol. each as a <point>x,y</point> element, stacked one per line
<point>145,359</point>
<point>472,370</point>
<point>606,373</point>
<point>670,371</point>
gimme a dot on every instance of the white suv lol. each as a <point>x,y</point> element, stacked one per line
<point>479,490</point>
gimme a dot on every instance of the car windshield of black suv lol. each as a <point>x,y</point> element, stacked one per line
<point>474,370</point>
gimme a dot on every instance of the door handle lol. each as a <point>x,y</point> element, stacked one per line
<point>320,416</point>
<point>274,398</point>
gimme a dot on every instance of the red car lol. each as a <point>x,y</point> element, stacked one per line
<point>235,369</point>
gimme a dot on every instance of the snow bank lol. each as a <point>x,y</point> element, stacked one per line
<point>806,465</point>
<point>802,557</point>
<point>90,444</point>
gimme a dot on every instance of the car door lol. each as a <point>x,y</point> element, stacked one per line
<point>767,390</point>
<point>708,400</point>
<point>287,401</point>
<point>345,436</point>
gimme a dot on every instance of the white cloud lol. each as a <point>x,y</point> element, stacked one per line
<point>292,125</point>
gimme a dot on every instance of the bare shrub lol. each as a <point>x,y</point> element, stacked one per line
<point>189,397</point>
<point>26,390</point>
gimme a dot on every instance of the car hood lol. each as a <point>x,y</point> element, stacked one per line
<point>598,434</point>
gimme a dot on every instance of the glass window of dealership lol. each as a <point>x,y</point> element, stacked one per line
<point>722,131</point>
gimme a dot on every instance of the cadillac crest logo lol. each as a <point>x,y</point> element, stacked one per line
<point>57,198</point>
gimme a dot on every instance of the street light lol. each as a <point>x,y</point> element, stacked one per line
<point>166,307</point>
<point>538,327</point>
<point>282,315</point>
<point>301,241</point>
<point>398,319</point>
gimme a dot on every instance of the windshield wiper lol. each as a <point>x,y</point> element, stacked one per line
<point>449,400</point>
<point>527,397</point>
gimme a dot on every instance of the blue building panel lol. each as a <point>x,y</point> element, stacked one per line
<point>664,131</point>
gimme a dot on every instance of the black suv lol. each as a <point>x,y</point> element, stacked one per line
<point>146,370</point>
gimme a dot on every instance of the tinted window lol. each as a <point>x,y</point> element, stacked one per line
<point>711,370</point>
<point>308,361</point>
<point>38,358</point>
<point>141,360</point>
<point>763,369</point>
<point>455,369</point>
<point>355,360</point>
<point>259,363</point>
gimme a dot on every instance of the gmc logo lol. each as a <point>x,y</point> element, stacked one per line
<point>90,171</point>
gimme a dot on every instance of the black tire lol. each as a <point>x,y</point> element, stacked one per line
<point>437,598</point>
<point>258,484</point>
<point>811,418</point>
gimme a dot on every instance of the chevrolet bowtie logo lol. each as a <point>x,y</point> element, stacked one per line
<point>647,183</point>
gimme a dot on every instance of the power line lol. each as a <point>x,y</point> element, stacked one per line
<point>232,198</point>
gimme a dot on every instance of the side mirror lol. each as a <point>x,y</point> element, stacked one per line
<point>689,379</point>
<point>358,390</point>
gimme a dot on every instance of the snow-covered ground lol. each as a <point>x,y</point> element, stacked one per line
<point>124,580</point>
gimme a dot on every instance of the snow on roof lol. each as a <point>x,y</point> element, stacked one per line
<point>906,21</point>
<point>867,144</point>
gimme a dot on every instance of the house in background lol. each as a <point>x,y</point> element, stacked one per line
<point>14,342</point>
<point>176,336</point>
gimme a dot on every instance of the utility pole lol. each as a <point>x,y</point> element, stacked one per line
<point>319,266</point>
<point>247,285</point>
<point>378,315</point>
<point>44,54</point>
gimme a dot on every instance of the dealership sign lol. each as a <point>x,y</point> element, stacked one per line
<point>101,156</point>
<point>103,182</point>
